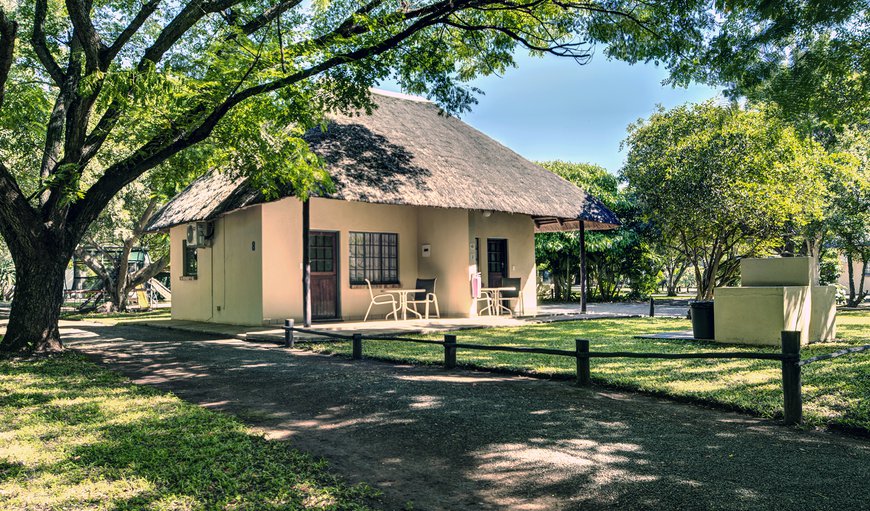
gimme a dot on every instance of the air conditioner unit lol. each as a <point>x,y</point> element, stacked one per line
<point>199,234</point>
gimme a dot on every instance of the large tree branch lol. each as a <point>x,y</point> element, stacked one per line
<point>269,15</point>
<point>175,29</point>
<point>167,144</point>
<point>130,30</point>
<point>19,223</point>
<point>8,31</point>
<point>192,13</point>
<point>95,264</point>
<point>40,46</point>
<point>148,272</point>
<point>80,16</point>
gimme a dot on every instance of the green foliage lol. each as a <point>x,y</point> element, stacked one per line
<point>835,392</point>
<point>616,260</point>
<point>723,183</point>
<point>7,272</point>
<point>77,436</point>
<point>811,59</point>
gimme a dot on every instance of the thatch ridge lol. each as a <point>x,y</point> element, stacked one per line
<point>412,153</point>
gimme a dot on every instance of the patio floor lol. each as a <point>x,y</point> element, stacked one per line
<point>546,313</point>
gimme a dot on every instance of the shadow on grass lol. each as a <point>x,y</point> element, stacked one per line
<point>80,437</point>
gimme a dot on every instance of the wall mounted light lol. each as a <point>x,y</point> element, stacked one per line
<point>487,214</point>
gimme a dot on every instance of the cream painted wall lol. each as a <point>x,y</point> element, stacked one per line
<point>228,286</point>
<point>823,321</point>
<point>191,297</point>
<point>238,266</point>
<point>282,232</point>
<point>446,231</point>
<point>519,230</point>
<point>239,285</point>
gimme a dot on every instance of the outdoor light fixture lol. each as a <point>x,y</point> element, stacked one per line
<point>487,214</point>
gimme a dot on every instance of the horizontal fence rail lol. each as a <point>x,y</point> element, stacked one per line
<point>828,356</point>
<point>789,357</point>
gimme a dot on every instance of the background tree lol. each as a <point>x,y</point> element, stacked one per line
<point>672,261</point>
<point>7,273</point>
<point>811,59</point>
<point>848,215</point>
<point>119,230</point>
<point>722,181</point>
<point>616,260</point>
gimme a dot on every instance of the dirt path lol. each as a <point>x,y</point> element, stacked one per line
<point>460,440</point>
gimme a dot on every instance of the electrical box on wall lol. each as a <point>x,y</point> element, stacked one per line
<point>199,234</point>
<point>426,250</point>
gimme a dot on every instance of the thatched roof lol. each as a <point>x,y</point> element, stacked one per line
<point>409,152</point>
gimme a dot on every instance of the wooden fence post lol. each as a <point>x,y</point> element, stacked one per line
<point>357,347</point>
<point>289,341</point>
<point>449,351</point>
<point>652,307</point>
<point>583,372</point>
<point>791,378</point>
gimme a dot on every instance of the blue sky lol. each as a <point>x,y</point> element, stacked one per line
<point>553,108</point>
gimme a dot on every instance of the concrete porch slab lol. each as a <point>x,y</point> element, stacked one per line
<point>381,327</point>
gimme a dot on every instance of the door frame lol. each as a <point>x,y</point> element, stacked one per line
<point>506,245</point>
<point>337,265</point>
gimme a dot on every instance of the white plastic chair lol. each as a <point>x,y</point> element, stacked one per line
<point>478,295</point>
<point>382,299</point>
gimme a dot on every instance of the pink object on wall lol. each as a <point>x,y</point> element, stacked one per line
<point>476,285</point>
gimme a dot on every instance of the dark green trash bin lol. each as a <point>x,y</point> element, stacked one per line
<point>702,320</point>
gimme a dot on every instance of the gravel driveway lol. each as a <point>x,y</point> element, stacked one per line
<point>461,440</point>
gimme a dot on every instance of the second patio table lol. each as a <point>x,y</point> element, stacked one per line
<point>495,293</point>
<point>403,301</point>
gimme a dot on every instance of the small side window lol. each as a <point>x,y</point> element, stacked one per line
<point>189,266</point>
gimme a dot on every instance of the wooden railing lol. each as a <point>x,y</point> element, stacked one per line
<point>789,357</point>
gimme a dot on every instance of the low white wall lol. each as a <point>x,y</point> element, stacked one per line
<point>823,319</point>
<point>758,315</point>
<point>776,271</point>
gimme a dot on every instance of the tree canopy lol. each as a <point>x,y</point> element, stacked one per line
<point>723,182</point>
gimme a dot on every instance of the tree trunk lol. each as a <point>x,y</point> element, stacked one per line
<point>36,304</point>
<point>850,269</point>
<point>856,293</point>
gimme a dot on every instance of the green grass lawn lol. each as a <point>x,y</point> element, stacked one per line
<point>75,436</point>
<point>836,392</point>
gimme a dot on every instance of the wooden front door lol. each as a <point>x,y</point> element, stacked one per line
<point>323,255</point>
<point>496,261</point>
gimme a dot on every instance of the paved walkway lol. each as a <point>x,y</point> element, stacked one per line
<point>465,440</point>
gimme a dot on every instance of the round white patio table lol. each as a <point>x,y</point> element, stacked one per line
<point>403,301</point>
<point>495,293</point>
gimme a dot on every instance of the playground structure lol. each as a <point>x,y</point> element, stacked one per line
<point>153,294</point>
<point>83,289</point>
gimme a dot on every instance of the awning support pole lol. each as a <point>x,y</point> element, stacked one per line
<point>306,263</point>
<point>582,267</point>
